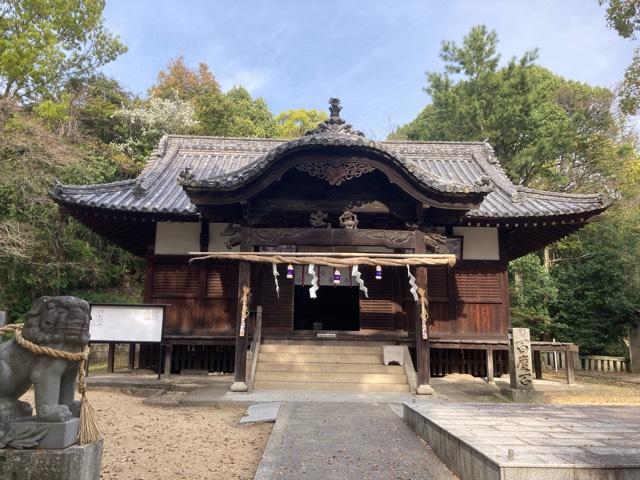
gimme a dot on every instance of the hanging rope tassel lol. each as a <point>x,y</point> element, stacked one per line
<point>424,312</point>
<point>89,430</point>
<point>244,313</point>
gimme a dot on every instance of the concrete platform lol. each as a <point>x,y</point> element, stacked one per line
<point>326,441</point>
<point>527,442</point>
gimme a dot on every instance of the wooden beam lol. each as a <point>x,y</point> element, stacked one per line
<point>240,370</point>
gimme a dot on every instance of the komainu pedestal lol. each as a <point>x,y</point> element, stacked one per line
<point>521,368</point>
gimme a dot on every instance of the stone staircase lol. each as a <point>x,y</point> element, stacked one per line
<point>327,368</point>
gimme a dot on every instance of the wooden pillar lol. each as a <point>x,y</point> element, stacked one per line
<point>168,350</point>
<point>537,364</point>
<point>489,364</point>
<point>111,357</point>
<point>132,356</point>
<point>240,369</point>
<point>423,349</point>
<point>569,366</point>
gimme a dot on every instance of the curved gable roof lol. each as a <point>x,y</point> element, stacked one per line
<point>440,165</point>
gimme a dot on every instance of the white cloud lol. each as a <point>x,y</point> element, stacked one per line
<point>251,79</point>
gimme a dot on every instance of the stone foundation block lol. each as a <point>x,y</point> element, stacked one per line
<point>78,462</point>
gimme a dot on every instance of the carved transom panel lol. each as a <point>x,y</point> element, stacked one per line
<point>335,175</point>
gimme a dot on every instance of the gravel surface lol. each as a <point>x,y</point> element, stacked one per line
<point>150,442</point>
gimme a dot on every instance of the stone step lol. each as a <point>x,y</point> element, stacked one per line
<point>279,348</point>
<point>319,358</point>
<point>333,386</point>
<point>331,377</point>
<point>329,367</point>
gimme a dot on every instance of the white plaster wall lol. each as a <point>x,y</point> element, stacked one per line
<point>176,238</point>
<point>479,243</point>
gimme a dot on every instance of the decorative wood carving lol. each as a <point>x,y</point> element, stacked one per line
<point>437,243</point>
<point>318,219</point>
<point>328,236</point>
<point>234,232</point>
<point>349,220</point>
<point>335,175</point>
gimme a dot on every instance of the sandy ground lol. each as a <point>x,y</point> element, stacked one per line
<point>598,388</point>
<point>148,442</point>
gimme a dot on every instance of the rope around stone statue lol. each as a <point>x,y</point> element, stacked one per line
<point>89,431</point>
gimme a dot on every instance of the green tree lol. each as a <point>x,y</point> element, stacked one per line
<point>546,131</point>
<point>295,123</point>
<point>187,84</point>
<point>42,252</point>
<point>532,290</point>
<point>149,120</point>
<point>597,276</point>
<point>235,114</point>
<point>88,107</point>
<point>624,17</point>
<point>43,44</point>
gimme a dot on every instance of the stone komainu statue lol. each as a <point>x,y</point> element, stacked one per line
<point>57,322</point>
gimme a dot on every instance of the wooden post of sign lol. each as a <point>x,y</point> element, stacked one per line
<point>423,349</point>
<point>168,351</point>
<point>240,368</point>
<point>111,357</point>
<point>132,356</point>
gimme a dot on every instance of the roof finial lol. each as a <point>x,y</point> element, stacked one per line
<point>334,107</point>
<point>334,124</point>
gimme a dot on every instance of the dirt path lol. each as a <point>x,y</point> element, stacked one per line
<point>147,442</point>
<point>600,388</point>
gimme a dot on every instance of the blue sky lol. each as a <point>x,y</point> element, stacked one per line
<point>372,54</point>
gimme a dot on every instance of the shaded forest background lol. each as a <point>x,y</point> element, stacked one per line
<point>62,120</point>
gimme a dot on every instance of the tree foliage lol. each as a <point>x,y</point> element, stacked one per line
<point>43,44</point>
<point>235,114</point>
<point>546,130</point>
<point>183,82</point>
<point>295,123</point>
<point>532,290</point>
<point>148,121</point>
<point>624,17</point>
<point>41,252</point>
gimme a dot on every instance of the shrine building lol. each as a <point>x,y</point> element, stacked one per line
<point>321,252</point>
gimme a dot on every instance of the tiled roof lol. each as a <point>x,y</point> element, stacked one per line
<point>226,163</point>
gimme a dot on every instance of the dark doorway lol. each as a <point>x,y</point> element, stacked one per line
<point>336,308</point>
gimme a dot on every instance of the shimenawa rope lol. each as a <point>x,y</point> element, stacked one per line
<point>89,431</point>
<point>329,261</point>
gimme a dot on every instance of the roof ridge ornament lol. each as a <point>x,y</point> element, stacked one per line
<point>335,123</point>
